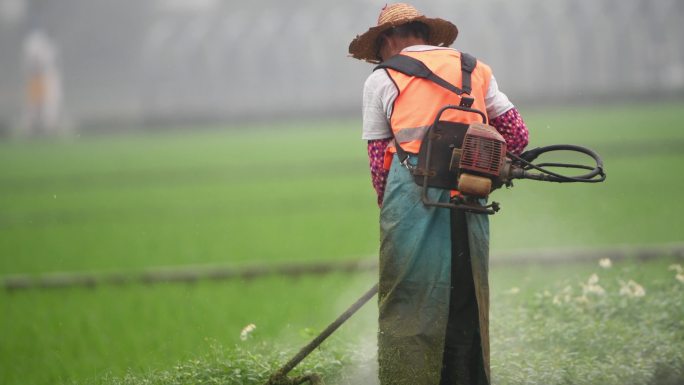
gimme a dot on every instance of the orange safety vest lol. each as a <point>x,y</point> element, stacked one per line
<point>419,99</point>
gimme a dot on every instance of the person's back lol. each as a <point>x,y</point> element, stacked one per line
<point>419,100</point>
<point>433,291</point>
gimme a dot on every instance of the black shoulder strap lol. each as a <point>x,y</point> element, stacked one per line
<point>468,63</point>
<point>414,67</point>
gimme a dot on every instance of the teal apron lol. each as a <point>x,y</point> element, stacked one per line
<point>415,281</point>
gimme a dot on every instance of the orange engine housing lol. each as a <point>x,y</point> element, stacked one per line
<point>483,151</point>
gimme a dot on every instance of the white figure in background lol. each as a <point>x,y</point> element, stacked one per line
<point>43,113</point>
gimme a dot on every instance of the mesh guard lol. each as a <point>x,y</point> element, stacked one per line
<point>484,150</point>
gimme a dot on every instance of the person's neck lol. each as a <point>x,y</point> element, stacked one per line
<point>396,45</point>
<point>410,42</point>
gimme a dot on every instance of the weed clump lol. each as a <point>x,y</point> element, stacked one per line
<point>601,331</point>
<point>609,329</point>
<point>251,364</point>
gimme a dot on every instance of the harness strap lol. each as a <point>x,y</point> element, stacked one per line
<point>414,67</point>
<point>468,63</point>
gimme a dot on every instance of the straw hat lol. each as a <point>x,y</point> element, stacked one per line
<point>442,32</point>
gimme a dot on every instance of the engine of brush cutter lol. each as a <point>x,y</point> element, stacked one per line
<point>477,162</point>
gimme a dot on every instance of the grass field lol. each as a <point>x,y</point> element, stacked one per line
<point>575,324</point>
<point>297,192</point>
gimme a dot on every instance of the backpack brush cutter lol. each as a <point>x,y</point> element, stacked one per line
<point>473,160</point>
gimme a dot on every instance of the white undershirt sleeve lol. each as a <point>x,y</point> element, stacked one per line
<point>379,93</point>
<point>496,102</point>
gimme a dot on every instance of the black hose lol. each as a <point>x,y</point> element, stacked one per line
<point>564,165</point>
<point>595,175</point>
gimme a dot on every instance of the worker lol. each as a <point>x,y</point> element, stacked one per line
<point>433,290</point>
<point>44,96</point>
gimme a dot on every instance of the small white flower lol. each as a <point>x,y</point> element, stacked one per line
<point>582,299</point>
<point>514,290</point>
<point>563,296</point>
<point>625,290</point>
<point>595,289</point>
<point>637,289</point>
<point>593,280</point>
<point>246,331</point>
<point>632,289</point>
<point>680,277</point>
<point>592,286</point>
<point>605,263</point>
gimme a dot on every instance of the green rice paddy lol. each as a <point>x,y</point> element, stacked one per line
<point>301,192</point>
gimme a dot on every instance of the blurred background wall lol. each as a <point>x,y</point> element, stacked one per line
<point>155,62</point>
